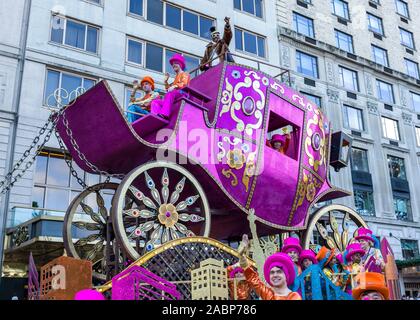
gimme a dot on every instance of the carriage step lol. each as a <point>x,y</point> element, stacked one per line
<point>149,124</point>
<point>195,98</point>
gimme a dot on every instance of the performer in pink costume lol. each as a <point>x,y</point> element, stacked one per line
<point>182,78</point>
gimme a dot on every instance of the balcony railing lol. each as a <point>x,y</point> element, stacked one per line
<point>19,215</point>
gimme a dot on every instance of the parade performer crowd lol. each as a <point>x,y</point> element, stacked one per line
<point>290,274</point>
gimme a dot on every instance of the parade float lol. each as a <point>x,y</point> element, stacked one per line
<point>185,186</point>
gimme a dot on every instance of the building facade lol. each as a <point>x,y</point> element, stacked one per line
<point>358,63</point>
<point>358,60</point>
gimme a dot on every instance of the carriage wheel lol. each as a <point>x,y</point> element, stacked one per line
<point>169,203</point>
<point>333,224</point>
<point>88,220</point>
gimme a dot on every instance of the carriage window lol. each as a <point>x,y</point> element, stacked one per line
<point>283,136</point>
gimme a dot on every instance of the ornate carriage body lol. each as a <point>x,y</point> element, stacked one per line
<point>220,125</point>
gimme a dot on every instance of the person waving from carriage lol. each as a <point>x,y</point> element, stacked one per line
<point>141,106</point>
<point>218,47</point>
<point>163,107</point>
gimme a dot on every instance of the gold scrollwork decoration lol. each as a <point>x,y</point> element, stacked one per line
<point>228,173</point>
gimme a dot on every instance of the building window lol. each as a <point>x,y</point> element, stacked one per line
<point>340,8</point>
<point>250,42</point>
<point>154,57</point>
<point>303,25</point>
<point>407,39</point>
<point>380,56</point>
<point>418,136</point>
<point>254,7</point>
<point>55,187</point>
<point>402,8</point>
<point>402,208</point>
<point>364,203</point>
<point>75,34</point>
<point>173,16</point>
<point>375,24</point>
<point>359,160</point>
<point>307,64</point>
<point>348,79</point>
<point>344,41</point>
<point>410,249</point>
<point>385,91</point>
<point>415,101</point>
<point>315,99</point>
<point>390,129</point>
<point>397,168</point>
<point>353,118</point>
<point>136,7</point>
<point>412,68</point>
<point>66,81</point>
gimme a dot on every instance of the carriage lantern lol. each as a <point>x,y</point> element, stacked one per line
<point>340,150</point>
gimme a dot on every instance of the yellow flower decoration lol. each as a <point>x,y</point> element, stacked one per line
<point>168,215</point>
<point>235,159</point>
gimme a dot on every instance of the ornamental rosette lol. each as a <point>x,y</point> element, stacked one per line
<point>236,159</point>
<point>168,215</point>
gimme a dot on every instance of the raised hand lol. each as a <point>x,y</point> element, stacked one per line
<point>166,77</point>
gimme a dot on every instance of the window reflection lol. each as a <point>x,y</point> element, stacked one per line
<point>57,199</point>
<point>58,172</point>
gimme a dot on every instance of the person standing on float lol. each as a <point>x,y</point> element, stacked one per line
<point>237,281</point>
<point>218,47</point>
<point>162,108</point>
<point>372,260</point>
<point>279,273</point>
<point>292,247</point>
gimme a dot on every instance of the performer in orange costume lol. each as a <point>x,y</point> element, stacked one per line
<point>279,272</point>
<point>236,274</point>
<point>174,90</point>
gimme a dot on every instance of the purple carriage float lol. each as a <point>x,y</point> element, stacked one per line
<point>199,172</point>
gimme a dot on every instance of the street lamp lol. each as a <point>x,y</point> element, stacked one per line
<point>340,150</point>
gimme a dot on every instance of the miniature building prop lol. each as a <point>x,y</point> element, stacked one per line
<point>209,281</point>
<point>33,280</point>
<point>137,283</point>
<point>391,271</point>
<point>63,277</point>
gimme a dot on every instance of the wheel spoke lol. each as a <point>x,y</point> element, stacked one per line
<point>165,186</point>
<point>174,233</point>
<point>87,226</point>
<point>165,235</point>
<point>90,255</point>
<point>178,189</point>
<point>84,241</point>
<point>136,213</point>
<point>89,211</point>
<point>184,230</point>
<point>101,205</point>
<point>151,185</point>
<point>190,217</point>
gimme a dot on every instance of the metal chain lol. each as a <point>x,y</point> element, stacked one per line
<point>11,178</point>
